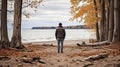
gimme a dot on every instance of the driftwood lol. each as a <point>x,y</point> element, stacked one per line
<point>97,57</point>
<point>94,44</point>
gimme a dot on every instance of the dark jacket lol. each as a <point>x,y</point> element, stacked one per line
<point>60,32</point>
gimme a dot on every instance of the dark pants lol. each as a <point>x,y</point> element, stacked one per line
<point>60,44</point>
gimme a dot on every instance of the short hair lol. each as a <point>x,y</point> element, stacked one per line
<point>60,24</point>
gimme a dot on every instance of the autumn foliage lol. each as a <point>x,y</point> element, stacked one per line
<point>86,11</point>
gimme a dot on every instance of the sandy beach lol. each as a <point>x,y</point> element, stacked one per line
<point>66,42</point>
<point>43,54</point>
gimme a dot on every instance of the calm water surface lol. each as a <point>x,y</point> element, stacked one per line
<point>49,34</point>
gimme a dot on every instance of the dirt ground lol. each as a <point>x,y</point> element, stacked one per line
<point>35,55</point>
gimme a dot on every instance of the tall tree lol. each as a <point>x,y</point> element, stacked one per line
<point>89,12</point>
<point>119,19</point>
<point>4,33</point>
<point>111,21</point>
<point>107,18</point>
<point>102,21</point>
<point>116,35</point>
<point>0,25</point>
<point>16,37</point>
<point>97,25</point>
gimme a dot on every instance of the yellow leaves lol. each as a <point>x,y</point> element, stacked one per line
<point>89,1</point>
<point>90,17</point>
<point>75,2</point>
<point>86,12</point>
<point>83,10</point>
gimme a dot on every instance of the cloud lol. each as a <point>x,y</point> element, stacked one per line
<point>49,13</point>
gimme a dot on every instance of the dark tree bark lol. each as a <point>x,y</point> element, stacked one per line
<point>107,18</point>
<point>0,27</point>
<point>97,32</point>
<point>97,26</point>
<point>116,34</point>
<point>16,37</point>
<point>119,20</point>
<point>111,21</point>
<point>4,33</point>
<point>102,21</point>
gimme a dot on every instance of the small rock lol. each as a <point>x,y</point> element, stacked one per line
<point>78,44</point>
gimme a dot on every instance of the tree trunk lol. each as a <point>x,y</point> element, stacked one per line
<point>116,34</point>
<point>111,21</point>
<point>97,32</point>
<point>4,33</point>
<point>107,19</point>
<point>97,26</point>
<point>16,37</point>
<point>0,27</point>
<point>102,21</point>
<point>119,20</point>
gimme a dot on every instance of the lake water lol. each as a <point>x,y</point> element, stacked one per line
<point>39,35</point>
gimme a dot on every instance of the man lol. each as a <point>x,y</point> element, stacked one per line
<point>60,36</point>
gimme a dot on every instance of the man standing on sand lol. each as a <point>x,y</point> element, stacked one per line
<point>60,36</point>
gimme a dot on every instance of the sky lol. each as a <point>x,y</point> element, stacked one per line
<point>49,13</point>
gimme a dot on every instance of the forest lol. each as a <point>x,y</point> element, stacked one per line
<point>102,14</point>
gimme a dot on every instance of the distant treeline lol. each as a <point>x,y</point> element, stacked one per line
<point>66,27</point>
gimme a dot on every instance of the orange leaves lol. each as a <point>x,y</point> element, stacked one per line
<point>83,10</point>
<point>90,18</point>
<point>86,12</point>
<point>75,2</point>
<point>89,14</point>
<point>8,52</point>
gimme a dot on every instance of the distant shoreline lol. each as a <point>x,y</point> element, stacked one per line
<point>66,27</point>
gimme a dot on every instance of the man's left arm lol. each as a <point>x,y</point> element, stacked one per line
<point>64,33</point>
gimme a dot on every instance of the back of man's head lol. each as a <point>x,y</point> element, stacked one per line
<point>60,24</point>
